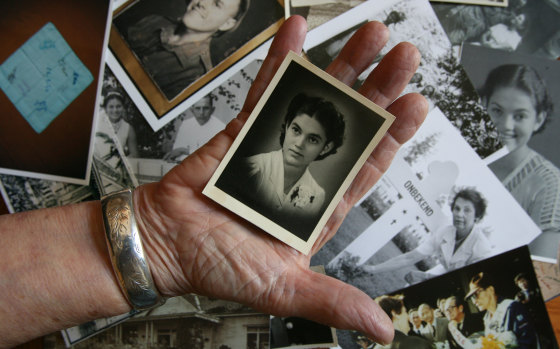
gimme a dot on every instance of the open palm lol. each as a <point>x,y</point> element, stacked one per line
<point>194,245</point>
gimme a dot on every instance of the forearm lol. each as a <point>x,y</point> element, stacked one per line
<point>399,262</point>
<point>55,272</point>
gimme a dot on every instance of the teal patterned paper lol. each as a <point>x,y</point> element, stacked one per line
<point>43,77</point>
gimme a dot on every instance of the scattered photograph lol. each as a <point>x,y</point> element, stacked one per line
<point>322,11</point>
<point>495,303</point>
<point>25,194</point>
<point>151,154</point>
<point>110,169</point>
<point>188,321</point>
<point>298,152</point>
<point>522,95</point>
<point>437,208</point>
<point>295,332</point>
<point>82,332</point>
<point>440,77</point>
<point>529,27</point>
<point>172,50</point>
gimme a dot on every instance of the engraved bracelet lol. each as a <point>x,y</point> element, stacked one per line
<point>126,252</point>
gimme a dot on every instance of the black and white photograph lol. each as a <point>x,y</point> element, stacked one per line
<point>298,333</point>
<point>151,154</point>
<point>438,208</point>
<point>440,77</point>
<point>522,94</point>
<point>172,50</point>
<point>495,303</point>
<point>25,194</point>
<point>529,27</point>
<point>296,155</point>
<point>189,321</point>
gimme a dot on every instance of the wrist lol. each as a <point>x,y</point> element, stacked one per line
<point>158,239</point>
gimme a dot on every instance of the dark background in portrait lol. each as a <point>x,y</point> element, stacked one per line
<point>479,61</point>
<point>261,15</point>
<point>264,136</point>
<point>63,148</point>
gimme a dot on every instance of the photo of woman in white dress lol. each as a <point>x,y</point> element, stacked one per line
<point>280,180</point>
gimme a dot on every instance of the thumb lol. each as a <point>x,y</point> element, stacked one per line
<point>332,302</point>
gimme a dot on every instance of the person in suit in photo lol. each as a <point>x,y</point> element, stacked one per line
<point>437,325</point>
<point>455,311</point>
<point>394,307</point>
<point>418,327</point>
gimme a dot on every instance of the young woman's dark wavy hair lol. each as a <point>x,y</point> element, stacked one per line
<point>524,78</point>
<point>321,110</point>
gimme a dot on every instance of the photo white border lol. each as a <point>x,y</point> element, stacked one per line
<point>256,218</point>
<point>142,105</point>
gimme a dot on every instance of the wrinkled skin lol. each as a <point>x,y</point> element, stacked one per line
<point>196,246</point>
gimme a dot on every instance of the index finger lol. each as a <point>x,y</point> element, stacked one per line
<point>290,37</point>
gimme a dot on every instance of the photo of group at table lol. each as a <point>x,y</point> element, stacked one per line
<point>495,303</point>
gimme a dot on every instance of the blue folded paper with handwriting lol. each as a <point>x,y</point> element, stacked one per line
<point>43,76</point>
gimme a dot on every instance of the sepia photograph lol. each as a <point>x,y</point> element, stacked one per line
<point>438,208</point>
<point>522,95</point>
<point>296,155</point>
<point>440,77</point>
<point>171,51</point>
<point>495,303</point>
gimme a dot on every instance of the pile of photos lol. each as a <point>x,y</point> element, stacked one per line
<point>484,163</point>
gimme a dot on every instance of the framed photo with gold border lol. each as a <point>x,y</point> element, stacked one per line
<point>167,65</point>
<point>298,152</point>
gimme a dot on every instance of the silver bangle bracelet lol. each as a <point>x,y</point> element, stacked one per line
<point>126,252</point>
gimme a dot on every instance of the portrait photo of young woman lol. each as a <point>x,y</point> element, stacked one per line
<point>299,151</point>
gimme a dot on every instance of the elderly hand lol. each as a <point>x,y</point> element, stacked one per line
<point>194,245</point>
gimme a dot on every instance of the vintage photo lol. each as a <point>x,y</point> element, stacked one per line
<point>495,303</point>
<point>438,208</point>
<point>522,95</point>
<point>440,78</point>
<point>188,321</point>
<point>151,154</point>
<point>298,152</point>
<point>295,332</point>
<point>25,194</point>
<point>171,51</point>
<point>529,27</point>
<point>324,10</point>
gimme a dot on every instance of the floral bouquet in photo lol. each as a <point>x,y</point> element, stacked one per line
<point>500,340</point>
